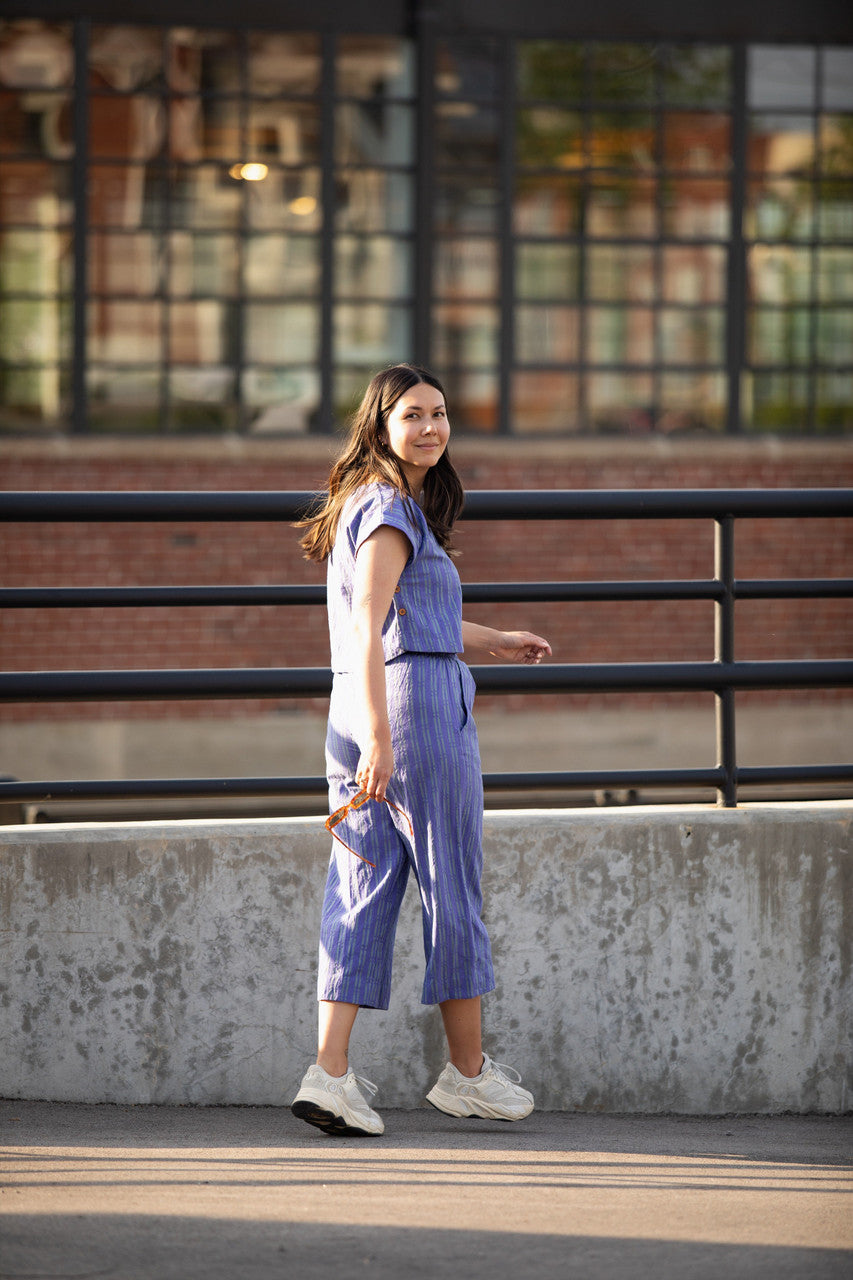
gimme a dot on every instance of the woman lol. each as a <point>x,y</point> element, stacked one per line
<point>400,730</point>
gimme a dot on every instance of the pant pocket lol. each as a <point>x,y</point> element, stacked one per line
<point>467,692</point>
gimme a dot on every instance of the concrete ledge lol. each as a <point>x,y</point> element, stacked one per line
<point>681,959</point>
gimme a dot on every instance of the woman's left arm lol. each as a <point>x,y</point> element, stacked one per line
<point>512,646</point>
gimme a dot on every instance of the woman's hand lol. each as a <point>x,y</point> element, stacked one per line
<point>521,646</point>
<point>375,768</point>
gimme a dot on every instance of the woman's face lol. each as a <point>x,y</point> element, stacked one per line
<point>417,431</point>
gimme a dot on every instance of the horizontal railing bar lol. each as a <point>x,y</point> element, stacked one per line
<point>472,593</point>
<point>793,588</point>
<point>482,504</point>
<point>14,792</point>
<point>296,682</point>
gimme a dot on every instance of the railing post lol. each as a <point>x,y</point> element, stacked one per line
<point>724,646</point>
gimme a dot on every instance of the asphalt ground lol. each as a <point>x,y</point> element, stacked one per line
<point>172,1192</point>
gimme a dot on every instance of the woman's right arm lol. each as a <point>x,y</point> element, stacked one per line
<point>380,561</point>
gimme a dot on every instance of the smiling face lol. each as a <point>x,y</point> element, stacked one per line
<point>417,431</point>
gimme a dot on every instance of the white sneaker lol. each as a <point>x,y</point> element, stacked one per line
<point>491,1095</point>
<point>337,1104</point>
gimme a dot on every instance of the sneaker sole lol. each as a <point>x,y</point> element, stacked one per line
<point>473,1115</point>
<point>321,1118</point>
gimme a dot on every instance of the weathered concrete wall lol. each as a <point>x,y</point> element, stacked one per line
<point>672,959</point>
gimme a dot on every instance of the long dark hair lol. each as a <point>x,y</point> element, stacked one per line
<point>366,459</point>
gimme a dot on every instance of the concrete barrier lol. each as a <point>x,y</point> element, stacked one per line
<point>682,959</point>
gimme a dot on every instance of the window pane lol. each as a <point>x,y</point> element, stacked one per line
<point>465,335</point>
<point>546,271</point>
<point>126,196</point>
<point>777,401</point>
<point>620,335</point>
<point>373,267</point>
<point>779,336</point>
<point>546,335</point>
<point>375,67</point>
<point>130,263</point>
<point>547,136</point>
<point>621,206</point>
<point>779,274</point>
<point>551,70</point>
<point>126,58</point>
<point>547,205</point>
<point>374,200</point>
<point>466,268</point>
<point>36,55</point>
<point>835,337</point>
<point>620,140</point>
<point>466,133</point>
<point>836,145</point>
<point>467,66</point>
<point>780,76</point>
<point>692,402</point>
<point>694,273</point>
<point>37,193</point>
<point>283,62</point>
<point>124,128</point>
<point>203,264</point>
<point>838,79</point>
<point>204,61</point>
<point>283,133</point>
<point>365,134</point>
<point>372,334</point>
<point>472,398</point>
<point>125,332</point>
<point>281,400</point>
<point>35,331</point>
<point>623,72</point>
<point>202,399</point>
<point>282,334</point>
<point>282,265</point>
<point>198,332</point>
<point>835,275</point>
<point>835,210</point>
<point>835,402</point>
<point>781,144</point>
<point>620,402</point>
<point>35,261</point>
<point>696,208</point>
<point>286,200</point>
<point>696,140</point>
<point>615,272</point>
<point>34,399</point>
<point>468,202</point>
<point>779,209</point>
<point>692,337</point>
<point>545,402</point>
<point>699,74</point>
<point>205,197</point>
<point>36,124</point>
<point>123,400</point>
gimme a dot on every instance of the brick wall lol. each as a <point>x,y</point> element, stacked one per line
<point>111,554</point>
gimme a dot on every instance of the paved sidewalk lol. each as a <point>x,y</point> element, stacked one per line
<point>250,1193</point>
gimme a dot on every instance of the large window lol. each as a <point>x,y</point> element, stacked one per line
<point>223,231</point>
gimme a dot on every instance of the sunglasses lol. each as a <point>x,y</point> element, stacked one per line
<point>336,818</point>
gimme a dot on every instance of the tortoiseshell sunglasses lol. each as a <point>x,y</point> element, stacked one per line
<point>334,819</point>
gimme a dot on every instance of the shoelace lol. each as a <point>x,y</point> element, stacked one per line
<point>364,1083</point>
<point>509,1073</point>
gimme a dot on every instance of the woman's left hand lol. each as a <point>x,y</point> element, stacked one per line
<point>521,646</point>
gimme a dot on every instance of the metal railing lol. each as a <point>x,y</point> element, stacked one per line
<point>724,677</point>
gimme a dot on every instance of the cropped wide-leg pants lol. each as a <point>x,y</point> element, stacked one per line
<point>438,784</point>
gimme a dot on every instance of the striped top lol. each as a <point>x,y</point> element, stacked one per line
<point>426,612</point>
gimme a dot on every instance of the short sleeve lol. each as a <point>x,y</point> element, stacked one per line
<point>384,507</point>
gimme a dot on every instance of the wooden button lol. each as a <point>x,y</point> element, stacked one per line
<point>402,611</point>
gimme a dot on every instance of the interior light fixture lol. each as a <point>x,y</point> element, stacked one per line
<point>252,172</point>
<point>303,206</point>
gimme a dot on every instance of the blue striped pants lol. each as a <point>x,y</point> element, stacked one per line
<point>438,783</point>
